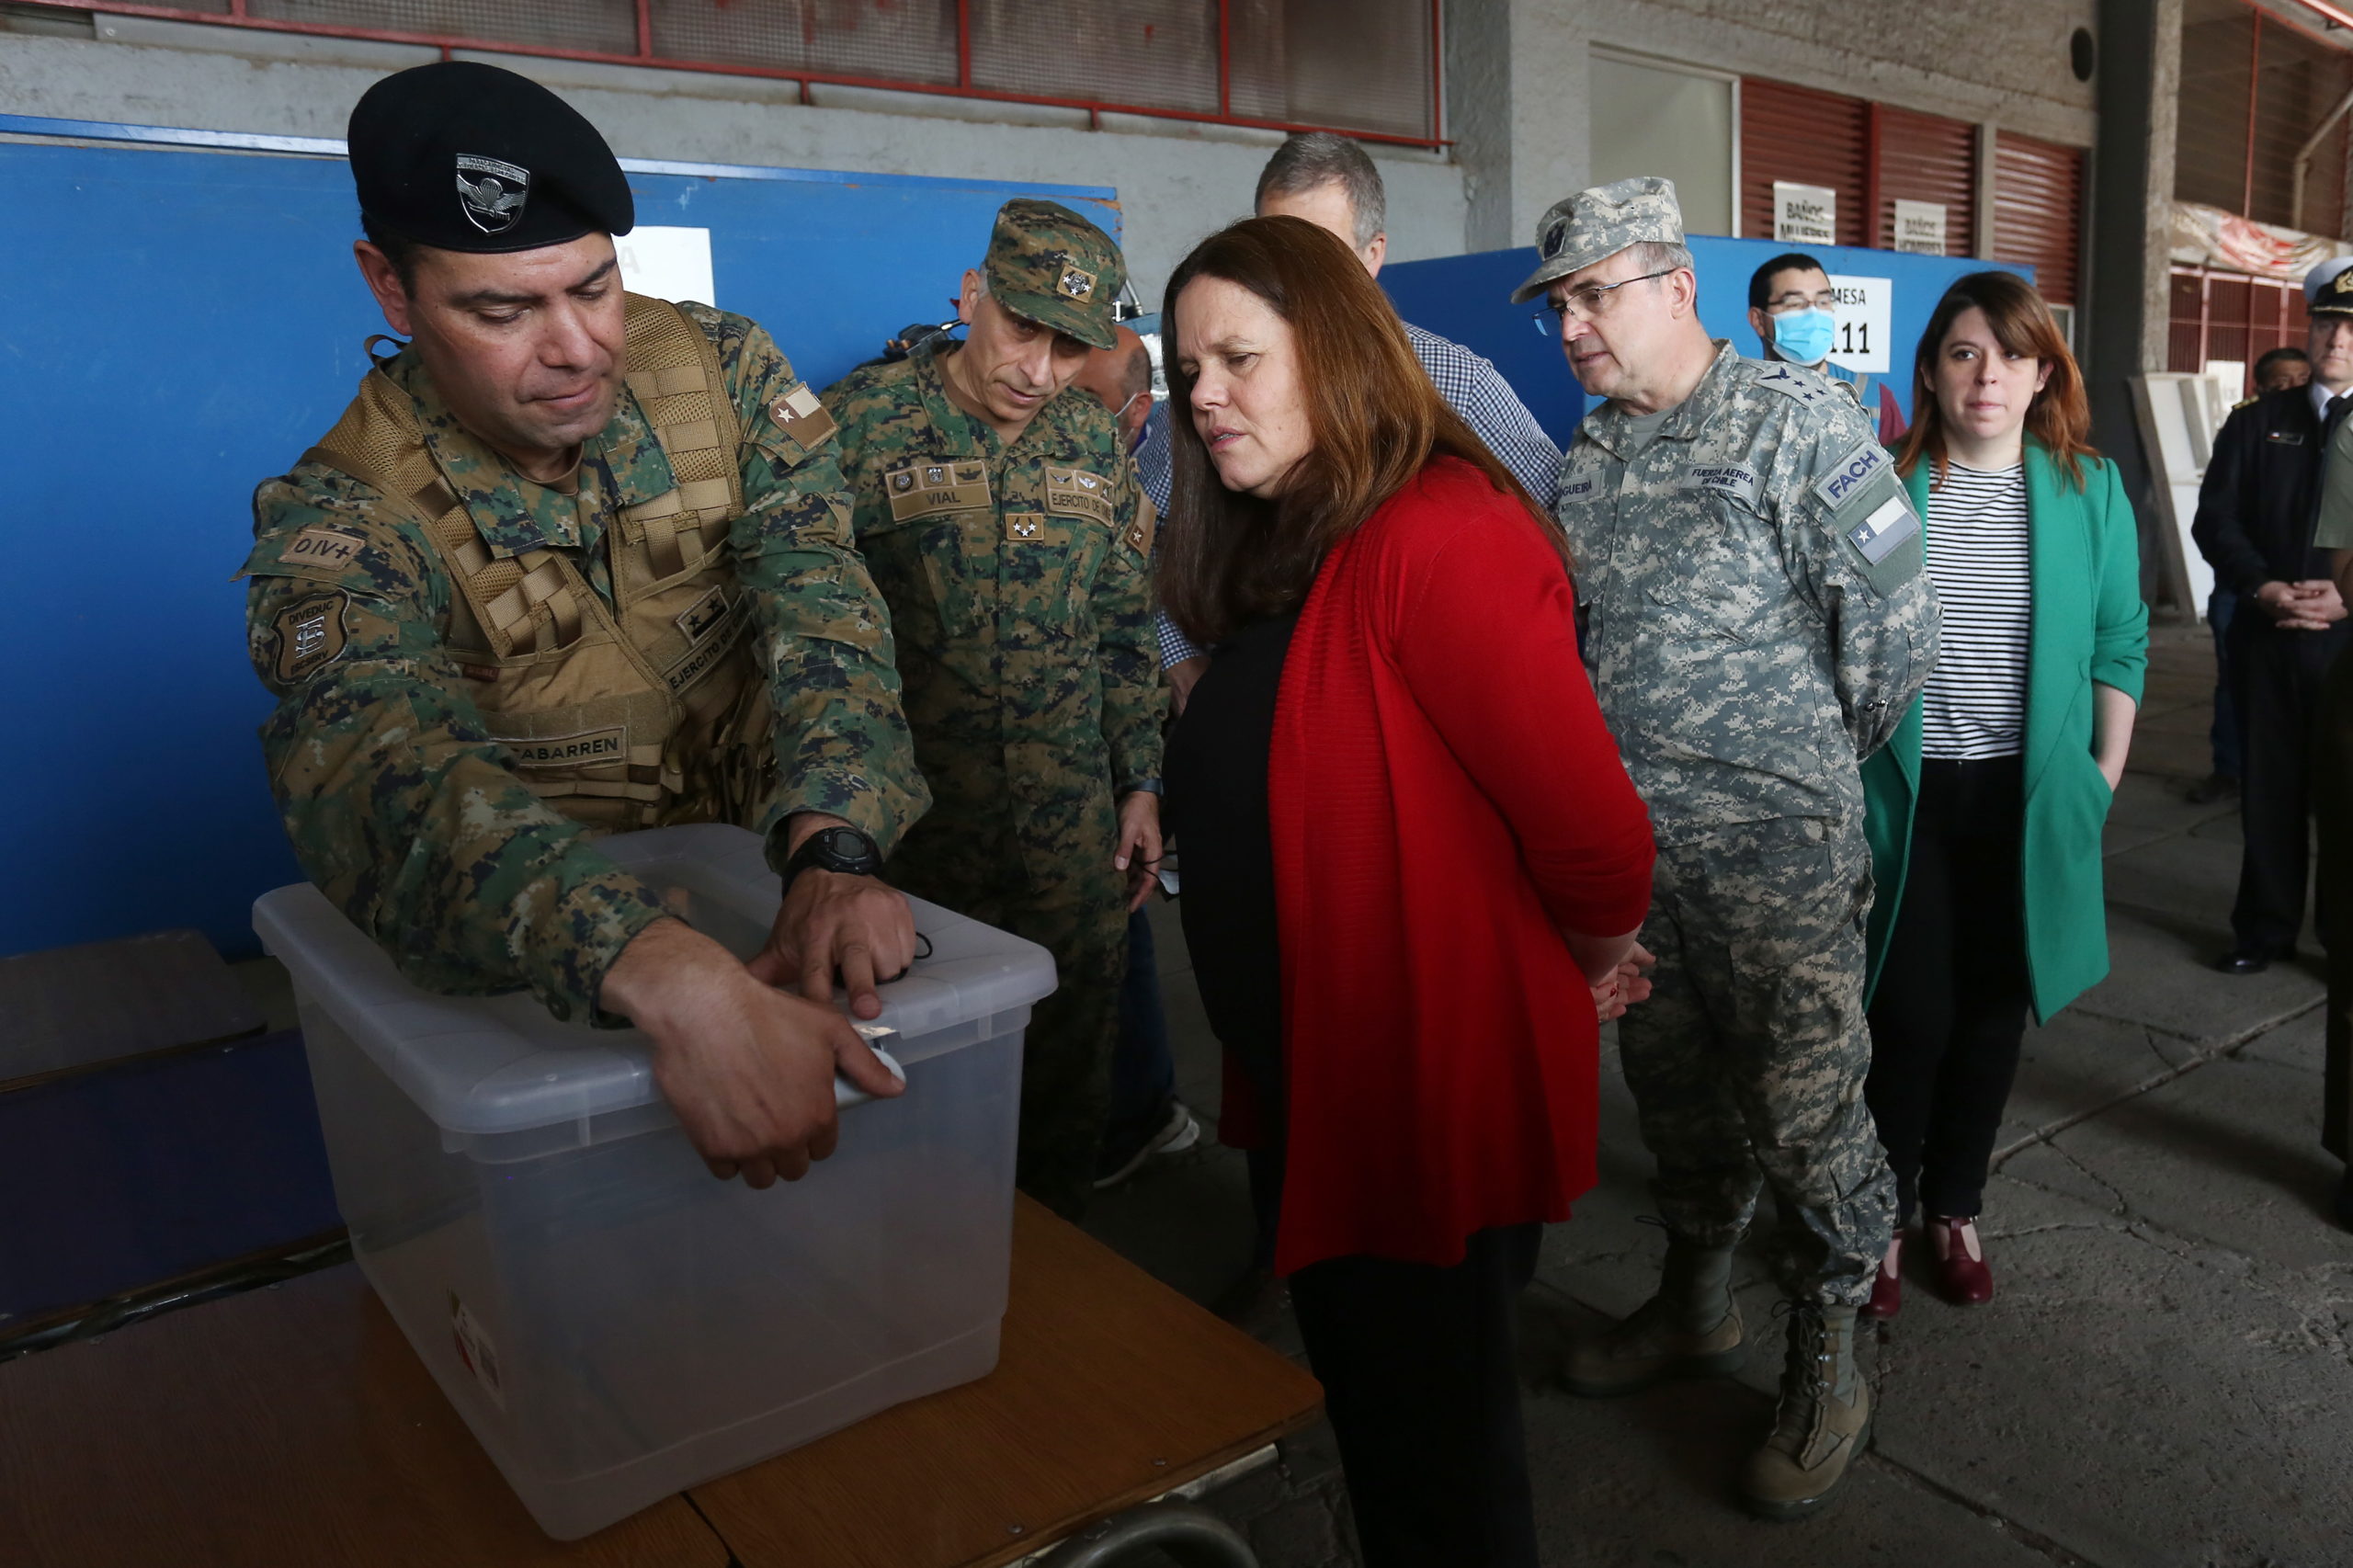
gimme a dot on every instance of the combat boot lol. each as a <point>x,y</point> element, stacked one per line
<point>1691,1328</point>
<point>1823,1421</point>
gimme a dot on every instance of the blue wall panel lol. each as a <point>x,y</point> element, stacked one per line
<point>177,325</point>
<point>1467,298</point>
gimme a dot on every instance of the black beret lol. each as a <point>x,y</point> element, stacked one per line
<point>465,156</point>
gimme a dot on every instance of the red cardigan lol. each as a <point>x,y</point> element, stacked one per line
<point>1442,793</point>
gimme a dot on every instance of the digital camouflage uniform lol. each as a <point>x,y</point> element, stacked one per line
<point>453,821</point>
<point>1017,580</point>
<point>1756,623</point>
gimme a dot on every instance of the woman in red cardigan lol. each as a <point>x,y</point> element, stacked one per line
<point>1410,853</point>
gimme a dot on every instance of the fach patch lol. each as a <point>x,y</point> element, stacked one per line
<point>800,416</point>
<point>319,546</point>
<point>1846,481</point>
<point>311,633</point>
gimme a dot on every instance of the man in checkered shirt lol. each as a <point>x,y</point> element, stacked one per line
<point>1330,182</point>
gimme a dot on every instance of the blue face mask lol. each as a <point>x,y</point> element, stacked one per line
<point>1804,338</point>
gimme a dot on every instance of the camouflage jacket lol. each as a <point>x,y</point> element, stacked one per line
<point>399,805</point>
<point>1757,617</point>
<point>1017,581</point>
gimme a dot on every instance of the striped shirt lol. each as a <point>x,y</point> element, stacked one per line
<point>1976,702</point>
<point>1469,383</point>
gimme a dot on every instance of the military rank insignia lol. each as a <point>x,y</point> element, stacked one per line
<point>800,416</point>
<point>1026,528</point>
<point>310,633</point>
<point>1075,283</point>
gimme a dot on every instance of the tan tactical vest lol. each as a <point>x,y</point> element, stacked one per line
<point>650,712</point>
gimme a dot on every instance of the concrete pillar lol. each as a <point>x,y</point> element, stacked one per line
<point>2125,295</point>
<point>1518,102</point>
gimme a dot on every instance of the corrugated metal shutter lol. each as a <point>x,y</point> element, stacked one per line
<point>1926,157</point>
<point>1811,137</point>
<point>2038,212</point>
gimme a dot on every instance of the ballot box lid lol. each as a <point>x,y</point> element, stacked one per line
<point>504,1077</point>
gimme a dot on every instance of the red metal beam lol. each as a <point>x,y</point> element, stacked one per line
<point>2253,81</point>
<point>644,26</point>
<point>1226,56</point>
<point>828,78</point>
<point>964,44</point>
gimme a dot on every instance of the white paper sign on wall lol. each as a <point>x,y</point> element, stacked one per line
<point>1866,321</point>
<point>1804,214</point>
<point>1920,227</point>
<point>668,263</point>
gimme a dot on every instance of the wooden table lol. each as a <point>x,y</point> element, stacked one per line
<point>295,1425</point>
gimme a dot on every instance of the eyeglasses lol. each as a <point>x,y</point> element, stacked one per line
<point>1585,304</point>
<point>1782,304</point>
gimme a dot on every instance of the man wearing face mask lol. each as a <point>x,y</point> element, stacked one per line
<point>1793,310</point>
<point>998,510</point>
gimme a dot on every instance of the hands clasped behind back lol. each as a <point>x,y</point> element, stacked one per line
<point>749,1068</point>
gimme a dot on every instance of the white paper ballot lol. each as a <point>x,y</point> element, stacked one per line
<point>668,263</point>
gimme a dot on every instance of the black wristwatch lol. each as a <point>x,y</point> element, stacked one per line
<point>842,849</point>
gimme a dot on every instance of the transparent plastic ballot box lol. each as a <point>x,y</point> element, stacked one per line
<point>613,1322</point>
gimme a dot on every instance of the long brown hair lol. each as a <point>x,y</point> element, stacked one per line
<point>2059,417</point>
<point>1227,558</point>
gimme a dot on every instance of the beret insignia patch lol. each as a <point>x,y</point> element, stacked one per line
<point>492,198</point>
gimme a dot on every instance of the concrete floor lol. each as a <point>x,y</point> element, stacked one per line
<point>2165,1376</point>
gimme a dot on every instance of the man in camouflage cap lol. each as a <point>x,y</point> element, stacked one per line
<point>998,512</point>
<point>1756,623</point>
<point>571,561</point>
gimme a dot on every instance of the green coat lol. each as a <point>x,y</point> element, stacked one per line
<point>2084,553</point>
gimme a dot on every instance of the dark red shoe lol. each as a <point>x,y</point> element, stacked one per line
<point>1962,1278</point>
<point>1887,1285</point>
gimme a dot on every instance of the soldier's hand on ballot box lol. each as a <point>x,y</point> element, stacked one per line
<point>834,923</point>
<point>748,1069</point>
<point>1139,851</point>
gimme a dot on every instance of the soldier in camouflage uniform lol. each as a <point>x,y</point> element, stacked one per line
<point>999,515</point>
<point>571,561</point>
<point>1756,623</point>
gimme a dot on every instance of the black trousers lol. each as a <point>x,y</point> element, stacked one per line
<point>1420,1373</point>
<point>1952,1003</point>
<point>2276,680</point>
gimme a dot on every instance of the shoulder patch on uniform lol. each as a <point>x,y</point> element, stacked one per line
<point>311,632</point>
<point>1852,474</point>
<point>319,546</point>
<point>1801,386</point>
<point>1889,525</point>
<point>1722,479</point>
<point>801,415</point>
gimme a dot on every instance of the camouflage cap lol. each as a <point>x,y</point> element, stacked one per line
<point>2328,287</point>
<point>1048,265</point>
<point>1595,224</point>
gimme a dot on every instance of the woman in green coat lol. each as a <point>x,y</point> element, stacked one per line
<point>1984,813</point>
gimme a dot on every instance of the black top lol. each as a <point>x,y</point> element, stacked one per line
<point>1215,779</point>
<point>2261,494</point>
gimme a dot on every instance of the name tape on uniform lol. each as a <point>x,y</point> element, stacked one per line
<point>1844,483</point>
<point>609,744</point>
<point>1075,490</point>
<point>1578,489</point>
<point>1890,524</point>
<point>801,415</point>
<point>1720,479</point>
<point>922,488</point>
